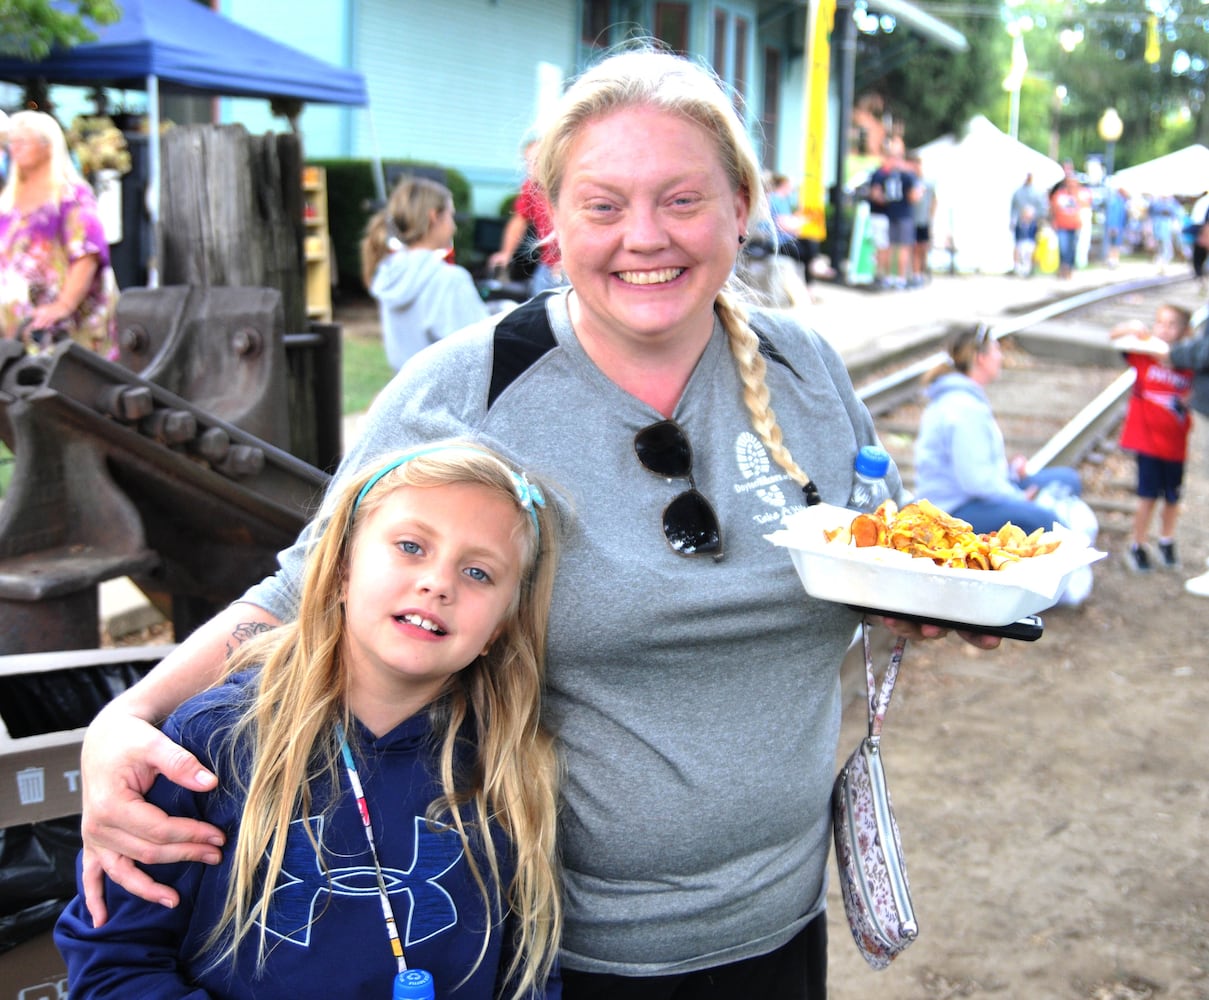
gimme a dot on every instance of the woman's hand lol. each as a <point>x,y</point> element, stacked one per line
<point>920,630</point>
<point>49,316</point>
<point>76,283</point>
<point>122,754</point>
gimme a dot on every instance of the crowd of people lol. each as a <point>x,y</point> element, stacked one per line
<point>1160,225</point>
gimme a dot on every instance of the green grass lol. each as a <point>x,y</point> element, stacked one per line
<point>365,372</point>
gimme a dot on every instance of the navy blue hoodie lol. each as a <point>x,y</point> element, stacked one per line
<point>326,938</point>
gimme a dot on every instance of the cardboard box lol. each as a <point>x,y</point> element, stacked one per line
<point>33,971</point>
<point>40,780</point>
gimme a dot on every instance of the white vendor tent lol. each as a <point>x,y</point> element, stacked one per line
<point>1184,173</point>
<point>975,177</point>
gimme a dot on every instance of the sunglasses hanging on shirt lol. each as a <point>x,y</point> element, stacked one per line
<point>690,523</point>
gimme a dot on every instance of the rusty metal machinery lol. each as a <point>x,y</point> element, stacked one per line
<point>220,348</point>
<point>169,467</point>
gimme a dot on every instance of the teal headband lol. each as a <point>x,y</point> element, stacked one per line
<point>527,494</point>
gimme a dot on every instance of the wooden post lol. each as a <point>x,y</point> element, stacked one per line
<point>231,212</point>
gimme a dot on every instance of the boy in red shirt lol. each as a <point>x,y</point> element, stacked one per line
<point>1157,424</point>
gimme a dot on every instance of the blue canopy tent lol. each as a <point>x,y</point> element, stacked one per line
<point>185,47</point>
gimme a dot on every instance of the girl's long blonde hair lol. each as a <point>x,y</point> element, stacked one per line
<point>643,76</point>
<point>63,173</point>
<point>406,218</point>
<point>301,701</point>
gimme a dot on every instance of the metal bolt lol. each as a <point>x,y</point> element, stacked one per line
<point>133,339</point>
<point>170,426</point>
<point>242,460</point>
<point>213,444</point>
<point>127,403</point>
<point>247,342</point>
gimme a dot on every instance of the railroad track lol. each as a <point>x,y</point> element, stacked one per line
<point>1060,397</point>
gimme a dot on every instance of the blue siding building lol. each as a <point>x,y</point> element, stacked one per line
<point>460,82</point>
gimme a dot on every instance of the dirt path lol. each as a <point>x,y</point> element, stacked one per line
<point>1052,798</point>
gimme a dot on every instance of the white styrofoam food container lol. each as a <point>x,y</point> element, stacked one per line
<point>894,582</point>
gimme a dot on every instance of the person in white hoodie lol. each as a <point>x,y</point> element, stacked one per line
<point>421,296</point>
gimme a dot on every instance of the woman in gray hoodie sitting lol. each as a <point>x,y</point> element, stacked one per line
<point>961,464</point>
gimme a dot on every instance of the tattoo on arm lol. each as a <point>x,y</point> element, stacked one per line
<point>245,631</point>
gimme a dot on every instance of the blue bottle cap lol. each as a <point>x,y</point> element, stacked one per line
<point>872,461</point>
<point>413,984</point>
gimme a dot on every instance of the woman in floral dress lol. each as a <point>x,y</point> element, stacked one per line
<point>55,278</point>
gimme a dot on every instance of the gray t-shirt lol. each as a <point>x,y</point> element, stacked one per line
<point>697,702</point>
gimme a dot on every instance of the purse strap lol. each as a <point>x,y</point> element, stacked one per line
<point>879,700</point>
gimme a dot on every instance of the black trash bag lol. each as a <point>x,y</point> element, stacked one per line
<point>57,700</point>
<point>37,877</point>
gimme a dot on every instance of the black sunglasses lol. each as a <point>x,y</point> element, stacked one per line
<point>690,524</point>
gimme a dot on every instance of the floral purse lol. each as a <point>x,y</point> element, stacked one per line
<point>873,874</point>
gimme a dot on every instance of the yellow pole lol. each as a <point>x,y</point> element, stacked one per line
<point>812,195</point>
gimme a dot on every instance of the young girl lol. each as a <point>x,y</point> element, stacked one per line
<point>422,297</point>
<point>386,789</point>
<point>1157,424</point>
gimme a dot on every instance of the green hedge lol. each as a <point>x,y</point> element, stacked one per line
<point>350,203</point>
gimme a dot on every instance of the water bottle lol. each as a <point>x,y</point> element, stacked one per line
<point>869,487</point>
<point>414,984</point>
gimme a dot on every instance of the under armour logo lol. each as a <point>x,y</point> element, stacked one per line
<point>302,883</point>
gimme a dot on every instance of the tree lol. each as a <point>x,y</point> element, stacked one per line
<point>1142,57</point>
<point>1146,58</point>
<point>940,90</point>
<point>932,90</point>
<point>31,28</point>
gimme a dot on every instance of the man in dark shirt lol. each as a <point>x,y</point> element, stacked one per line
<point>893,191</point>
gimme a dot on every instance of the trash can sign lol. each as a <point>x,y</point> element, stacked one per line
<point>31,786</point>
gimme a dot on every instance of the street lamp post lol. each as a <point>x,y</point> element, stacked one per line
<point>1110,128</point>
<point>1015,78</point>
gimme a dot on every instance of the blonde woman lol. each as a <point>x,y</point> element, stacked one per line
<point>421,296</point>
<point>55,278</point>
<point>692,684</point>
<point>388,788</point>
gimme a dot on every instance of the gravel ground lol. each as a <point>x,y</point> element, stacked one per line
<point>1052,800</point>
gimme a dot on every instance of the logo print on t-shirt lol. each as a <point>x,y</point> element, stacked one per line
<point>756,467</point>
